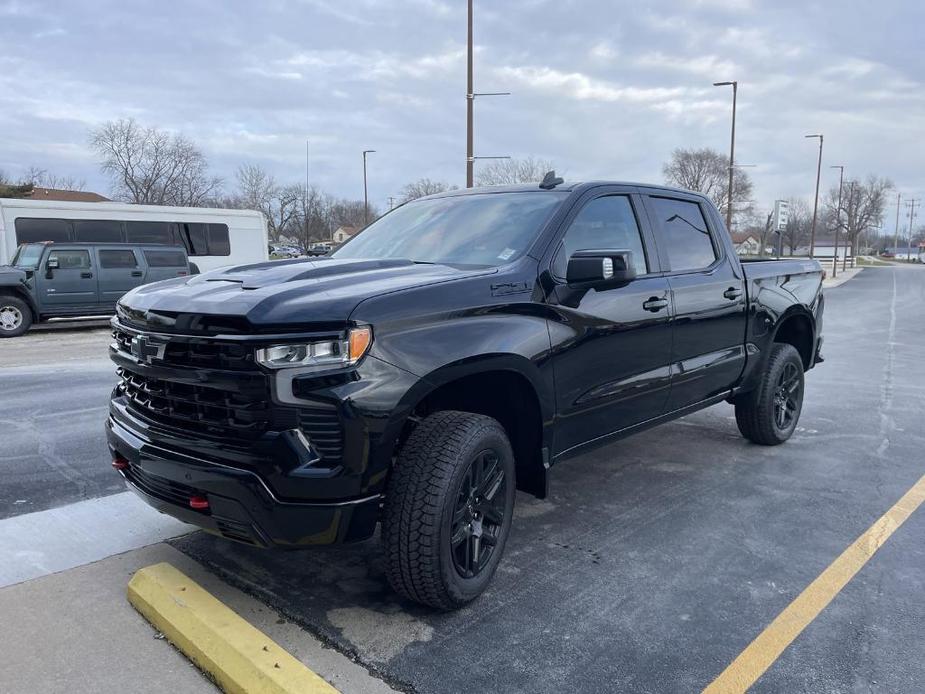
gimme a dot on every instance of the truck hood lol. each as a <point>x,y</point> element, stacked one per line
<point>10,275</point>
<point>276,296</point>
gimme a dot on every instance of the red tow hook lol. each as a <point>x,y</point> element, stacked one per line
<point>199,503</point>
<point>118,462</point>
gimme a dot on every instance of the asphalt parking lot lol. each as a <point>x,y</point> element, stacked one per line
<point>653,564</point>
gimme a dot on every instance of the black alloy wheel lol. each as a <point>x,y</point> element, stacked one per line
<point>478,517</point>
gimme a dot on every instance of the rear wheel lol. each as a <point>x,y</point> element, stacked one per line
<point>448,509</point>
<point>768,415</point>
<point>15,316</point>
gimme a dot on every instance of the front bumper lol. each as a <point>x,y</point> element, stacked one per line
<point>240,505</point>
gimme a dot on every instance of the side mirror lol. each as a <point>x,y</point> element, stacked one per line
<point>600,267</point>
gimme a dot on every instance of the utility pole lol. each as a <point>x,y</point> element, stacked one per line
<point>812,233</point>
<point>732,150</point>
<point>306,167</point>
<point>899,197</point>
<point>470,103</point>
<point>911,205</point>
<point>841,178</point>
<point>391,203</point>
<point>365,192</point>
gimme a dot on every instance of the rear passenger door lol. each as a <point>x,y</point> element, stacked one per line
<point>69,287</point>
<point>708,294</point>
<point>120,271</point>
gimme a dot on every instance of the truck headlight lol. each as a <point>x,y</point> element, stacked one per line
<point>324,353</point>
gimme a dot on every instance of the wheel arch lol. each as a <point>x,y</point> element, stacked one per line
<point>798,328</point>
<point>508,388</point>
<point>24,295</point>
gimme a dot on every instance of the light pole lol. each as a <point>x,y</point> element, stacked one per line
<point>470,108</point>
<point>841,178</point>
<point>365,193</point>
<point>812,233</point>
<point>732,149</point>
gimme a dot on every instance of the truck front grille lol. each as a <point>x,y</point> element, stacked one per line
<point>197,353</point>
<point>195,408</point>
<point>160,487</point>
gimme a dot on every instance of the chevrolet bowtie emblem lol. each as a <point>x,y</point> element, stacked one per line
<point>147,351</point>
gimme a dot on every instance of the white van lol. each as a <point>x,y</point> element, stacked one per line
<point>212,237</point>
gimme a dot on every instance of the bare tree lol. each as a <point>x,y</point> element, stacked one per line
<point>37,176</point>
<point>508,171</point>
<point>707,171</point>
<point>258,190</point>
<point>422,187</point>
<point>799,222</point>
<point>863,205</point>
<point>152,166</point>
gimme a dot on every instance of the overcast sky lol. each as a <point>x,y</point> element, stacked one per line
<point>605,89</point>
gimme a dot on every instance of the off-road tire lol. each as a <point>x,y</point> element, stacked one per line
<point>757,412</point>
<point>24,315</point>
<point>422,503</point>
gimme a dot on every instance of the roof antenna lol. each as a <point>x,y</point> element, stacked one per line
<point>550,181</point>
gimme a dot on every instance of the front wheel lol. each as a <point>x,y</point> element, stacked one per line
<point>768,415</point>
<point>448,509</point>
<point>15,316</point>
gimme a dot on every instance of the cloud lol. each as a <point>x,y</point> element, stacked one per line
<point>600,90</point>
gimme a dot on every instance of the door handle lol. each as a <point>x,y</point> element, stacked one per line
<point>137,273</point>
<point>732,293</point>
<point>86,275</point>
<point>654,304</point>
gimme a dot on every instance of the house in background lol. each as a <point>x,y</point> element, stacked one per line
<point>746,243</point>
<point>27,192</point>
<point>825,248</point>
<point>344,233</point>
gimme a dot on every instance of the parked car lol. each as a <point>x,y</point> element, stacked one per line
<point>319,249</point>
<point>56,280</point>
<point>457,349</point>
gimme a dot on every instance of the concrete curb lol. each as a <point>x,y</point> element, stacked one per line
<point>239,657</point>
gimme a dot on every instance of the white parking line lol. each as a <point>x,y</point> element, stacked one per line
<point>45,542</point>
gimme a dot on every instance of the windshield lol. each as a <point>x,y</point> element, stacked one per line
<point>27,256</point>
<point>484,229</point>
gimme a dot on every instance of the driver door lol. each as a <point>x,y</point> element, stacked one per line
<point>611,346</point>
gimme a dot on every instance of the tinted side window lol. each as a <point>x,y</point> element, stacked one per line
<point>71,260</point>
<point>218,240</point>
<point>105,231</point>
<point>150,232</point>
<point>117,259</point>
<point>32,230</point>
<point>198,240</point>
<point>604,223</point>
<point>683,233</point>
<point>165,259</point>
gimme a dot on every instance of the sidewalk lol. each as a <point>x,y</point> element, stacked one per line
<point>842,277</point>
<point>75,632</point>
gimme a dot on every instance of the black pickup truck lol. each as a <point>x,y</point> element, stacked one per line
<point>452,352</point>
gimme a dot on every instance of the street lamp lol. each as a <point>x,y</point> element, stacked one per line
<point>841,178</point>
<point>470,109</point>
<point>812,233</point>
<point>732,149</point>
<point>365,193</point>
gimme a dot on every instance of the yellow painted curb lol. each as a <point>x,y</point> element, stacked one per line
<point>240,658</point>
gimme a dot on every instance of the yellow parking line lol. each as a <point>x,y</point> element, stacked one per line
<point>240,658</point>
<point>761,653</point>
